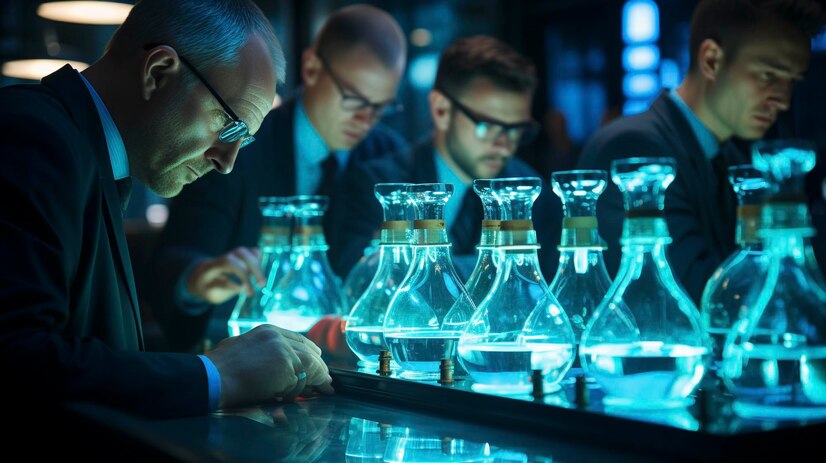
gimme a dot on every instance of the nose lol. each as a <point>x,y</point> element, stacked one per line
<point>504,145</point>
<point>223,155</point>
<point>781,96</point>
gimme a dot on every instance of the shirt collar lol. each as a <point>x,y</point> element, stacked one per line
<point>313,148</point>
<point>446,175</point>
<point>114,142</point>
<point>708,142</point>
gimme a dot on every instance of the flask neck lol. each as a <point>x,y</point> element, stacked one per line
<point>395,232</point>
<point>790,217</point>
<point>309,232</point>
<point>274,236</point>
<point>580,260</point>
<point>581,232</point>
<point>516,233</point>
<point>430,232</point>
<point>748,222</point>
<point>645,230</point>
<point>490,229</point>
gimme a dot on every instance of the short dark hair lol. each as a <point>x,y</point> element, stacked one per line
<point>366,26</point>
<point>481,56</point>
<point>731,22</point>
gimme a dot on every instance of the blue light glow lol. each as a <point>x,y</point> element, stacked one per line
<point>422,71</point>
<point>669,74</point>
<point>640,21</point>
<point>819,42</point>
<point>640,85</point>
<point>634,107</point>
<point>640,57</point>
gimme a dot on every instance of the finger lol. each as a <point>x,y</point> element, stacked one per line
<point>253,263</point>
<point>300,341</point>
<point>300,384</point>
<point>239,268</point>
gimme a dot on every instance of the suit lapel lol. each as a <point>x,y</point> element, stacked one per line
<point>78,102</point>
<point>700,177</point>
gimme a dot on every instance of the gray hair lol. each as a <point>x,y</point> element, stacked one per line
<point>209,33</point>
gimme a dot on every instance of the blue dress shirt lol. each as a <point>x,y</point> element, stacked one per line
<point>708,142</point>
<point>311,151</point>
<point>446,175</point>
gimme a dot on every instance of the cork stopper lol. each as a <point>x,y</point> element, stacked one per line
<point>384,363</point>
<point>446,371</point>
<point>538,382</point>
<point>581,398</point>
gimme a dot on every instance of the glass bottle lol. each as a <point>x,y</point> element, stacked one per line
<point>774,359</point>
<point>481,279</point>
<point>274,243</point>
<point>581,279</point>
<point>499,349</point>
<point>723,298</point>
<point>645,344</point>
<point>309,290</point>
<point>364,324</point>
<point>431,308</point>
<point>361,274</point>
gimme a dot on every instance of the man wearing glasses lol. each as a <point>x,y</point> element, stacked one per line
<point>166,107</point>
<point>206,253</point>
<point>481,111</point>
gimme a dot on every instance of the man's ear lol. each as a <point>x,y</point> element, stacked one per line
<point>310,67</point>
<point>710,59</point>
<point>160,67</point>
<point>440,108</point>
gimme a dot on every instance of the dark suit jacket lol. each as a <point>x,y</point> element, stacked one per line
<point>69,322</point>
<point>220,212</point>
<point>418,166</point>
<point>701,223</point>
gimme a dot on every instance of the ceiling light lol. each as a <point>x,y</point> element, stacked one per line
<point>36,69</point>
<point>89,12</point>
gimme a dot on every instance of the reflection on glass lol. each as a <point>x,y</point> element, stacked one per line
<point>368,439</point>
<point>488,257</point>
<point>429,448</point>
<point>676,417</point>
<point>361,274</point>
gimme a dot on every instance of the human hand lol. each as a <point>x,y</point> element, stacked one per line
<point>268,363</point>
<point>216,280</point>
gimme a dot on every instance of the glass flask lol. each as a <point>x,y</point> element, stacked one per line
<point>481,279</point>
<point>774,360</point>
<point>274,243</point>
<point>421,447</point>
<point>309,290</point>
<point>504,340</point>
<point>645,344</point>
<point>723,298</point>
<point>368,440</point>
<point>431,308</point>
<point>364,324</point>
<point>361,274</point>
<point>581,279</point>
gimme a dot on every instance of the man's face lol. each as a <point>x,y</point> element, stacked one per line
<point>182,143</point>
<point>335,87</point>
<point>471,148</point>
<point>752,88</point>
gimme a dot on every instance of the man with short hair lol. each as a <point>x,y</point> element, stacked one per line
<point>481,110</point>
<point>180,88</point>
<point>746,56</point>
<point>206,254</point>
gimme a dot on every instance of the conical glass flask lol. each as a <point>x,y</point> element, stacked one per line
<point>645,344</point>
<point>274,243</point>
<point>497,349</point>
<point>581,279</point>
<point>431,308</point>
<point>723,299</point>
<point>364,324</point>
<point>481,279</point>
<point>774,360</point>
<point>361,274</point>
<point>309,290</point>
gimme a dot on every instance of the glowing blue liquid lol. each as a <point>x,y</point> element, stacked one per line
<point>646,374</point>
<point>293,320</point>
<point>239,327</point>
<point>365,342</point>
<point>781,382</point>
<point>419,353</point>
<point>505,367</point>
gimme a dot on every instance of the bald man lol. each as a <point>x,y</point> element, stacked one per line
<point>350,76</point>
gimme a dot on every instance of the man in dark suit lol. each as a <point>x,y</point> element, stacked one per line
<point>167,107</point>
<point>481,111</point>
<point>745,57</point>
<point>350,76</point>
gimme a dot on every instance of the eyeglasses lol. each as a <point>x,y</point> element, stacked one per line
<point>235,129</point>
<point>489,130</point>
<point>357,102</point>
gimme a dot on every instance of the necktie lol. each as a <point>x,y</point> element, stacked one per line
<point>329,172</point>
<point>465,237</point>
<point>124,187</point>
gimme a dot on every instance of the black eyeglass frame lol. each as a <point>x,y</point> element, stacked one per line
<point>235,129</point>
<point>360,102</point>
<point>529,128</point>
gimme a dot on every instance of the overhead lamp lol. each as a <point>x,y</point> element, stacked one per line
<point>36,69</point>
<point>88,12</point>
